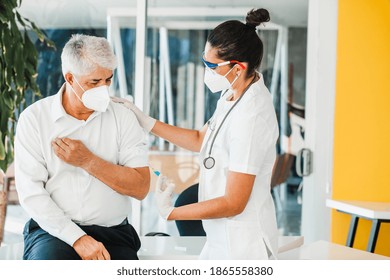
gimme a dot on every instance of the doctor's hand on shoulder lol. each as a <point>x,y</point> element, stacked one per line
<point>145,121</point>
<point>163,196</point>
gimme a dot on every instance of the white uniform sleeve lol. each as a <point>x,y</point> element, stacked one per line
<point>31,175</point>
<point>250,141</point>
<point>133,143</point>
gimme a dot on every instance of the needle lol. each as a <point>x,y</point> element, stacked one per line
<point>155,171</point>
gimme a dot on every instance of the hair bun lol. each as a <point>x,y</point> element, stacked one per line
<point>256,17</point>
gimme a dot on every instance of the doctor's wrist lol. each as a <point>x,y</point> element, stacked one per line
<point>148,123</point>
<point>171,215</point>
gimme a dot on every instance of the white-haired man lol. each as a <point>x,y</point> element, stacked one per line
<point>78,160</point>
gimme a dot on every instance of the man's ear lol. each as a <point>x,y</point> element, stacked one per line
<point>69,78</point>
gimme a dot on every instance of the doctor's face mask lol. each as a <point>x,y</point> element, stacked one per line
<point>216,82</point>
<point>96,98</point>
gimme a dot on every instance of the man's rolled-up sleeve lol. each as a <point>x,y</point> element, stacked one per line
<point>133,147</point>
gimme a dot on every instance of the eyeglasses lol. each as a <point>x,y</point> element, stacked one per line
<point>215,65</point>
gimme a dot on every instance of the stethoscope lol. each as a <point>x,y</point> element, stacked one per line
<point>209,161</point>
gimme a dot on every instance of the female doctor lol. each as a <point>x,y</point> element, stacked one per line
<point>237,148</point>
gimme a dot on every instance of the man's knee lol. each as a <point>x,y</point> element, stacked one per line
<point>50,253</point>
<point>39,245</point>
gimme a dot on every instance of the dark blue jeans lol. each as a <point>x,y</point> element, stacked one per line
<point>122,242</point>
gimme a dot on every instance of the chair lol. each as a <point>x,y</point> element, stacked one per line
<point>8,195</point>
<point>186,227</point>
<point>190,227</point>
<point>280,174</point>
<point>9,185</point>
<point>3,205</point>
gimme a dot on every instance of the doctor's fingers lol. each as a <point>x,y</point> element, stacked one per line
<point>160,184</point>
<point>165,185</point>
<point>122,101</point>
<point>170,187</point>
<point>167,190</point>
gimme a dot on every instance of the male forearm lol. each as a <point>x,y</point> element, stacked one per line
<point>132,182</point>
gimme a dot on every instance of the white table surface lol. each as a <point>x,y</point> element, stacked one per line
<point>324,250</point>
<point>170,247</point>
<point>372,210</point>
<point>162,247</point>
<point>189,247</point>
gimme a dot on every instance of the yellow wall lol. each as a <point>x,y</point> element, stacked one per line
<point>362,117</point>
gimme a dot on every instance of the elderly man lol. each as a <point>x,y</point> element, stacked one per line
<point>78,160</point>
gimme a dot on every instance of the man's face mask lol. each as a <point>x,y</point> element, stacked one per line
<point>96,99</point>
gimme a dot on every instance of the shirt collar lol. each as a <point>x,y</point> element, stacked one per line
<point>57,110</point>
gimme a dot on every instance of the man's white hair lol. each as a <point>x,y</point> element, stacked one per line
<point>82,54</point>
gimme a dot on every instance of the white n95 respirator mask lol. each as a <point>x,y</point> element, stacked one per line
<point>216,82</point>
<point>96,99</point>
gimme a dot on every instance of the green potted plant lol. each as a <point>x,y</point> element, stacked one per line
<point>18,72</point>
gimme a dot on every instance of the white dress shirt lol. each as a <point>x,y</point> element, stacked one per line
<point>57,195</point>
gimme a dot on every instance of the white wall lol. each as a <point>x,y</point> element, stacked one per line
<point>320,96</point>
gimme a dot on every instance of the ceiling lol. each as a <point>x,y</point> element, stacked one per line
<point>92,13</point>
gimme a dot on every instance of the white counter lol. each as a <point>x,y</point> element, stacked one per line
<point>323,250</point>
<point>368,209</point>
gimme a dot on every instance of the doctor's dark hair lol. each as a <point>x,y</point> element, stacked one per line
<point>235,40</point>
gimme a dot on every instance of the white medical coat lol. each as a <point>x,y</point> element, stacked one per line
<point>245,144</point>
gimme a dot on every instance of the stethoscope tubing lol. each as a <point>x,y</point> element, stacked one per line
<point>209,158</point>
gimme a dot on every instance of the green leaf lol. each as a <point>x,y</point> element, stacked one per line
<point>3,18</point>
<point>9,55</point>
<point>8,76</point>
<point>18,71</point>
<point>19,66</point>
<point>8,101</point>
<point>39,33</point>
<point>2,149</point>
<point>20,19</point>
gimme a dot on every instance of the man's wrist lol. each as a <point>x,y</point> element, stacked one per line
<point>89,163</point>
<point>77,240</point>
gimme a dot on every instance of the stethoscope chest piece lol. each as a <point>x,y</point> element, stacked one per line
<point>209,162</point>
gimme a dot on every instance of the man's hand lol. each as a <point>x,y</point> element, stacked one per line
<point>90,249</point>
<point>73,152</point>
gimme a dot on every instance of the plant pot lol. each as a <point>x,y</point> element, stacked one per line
<point>3,211</point>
